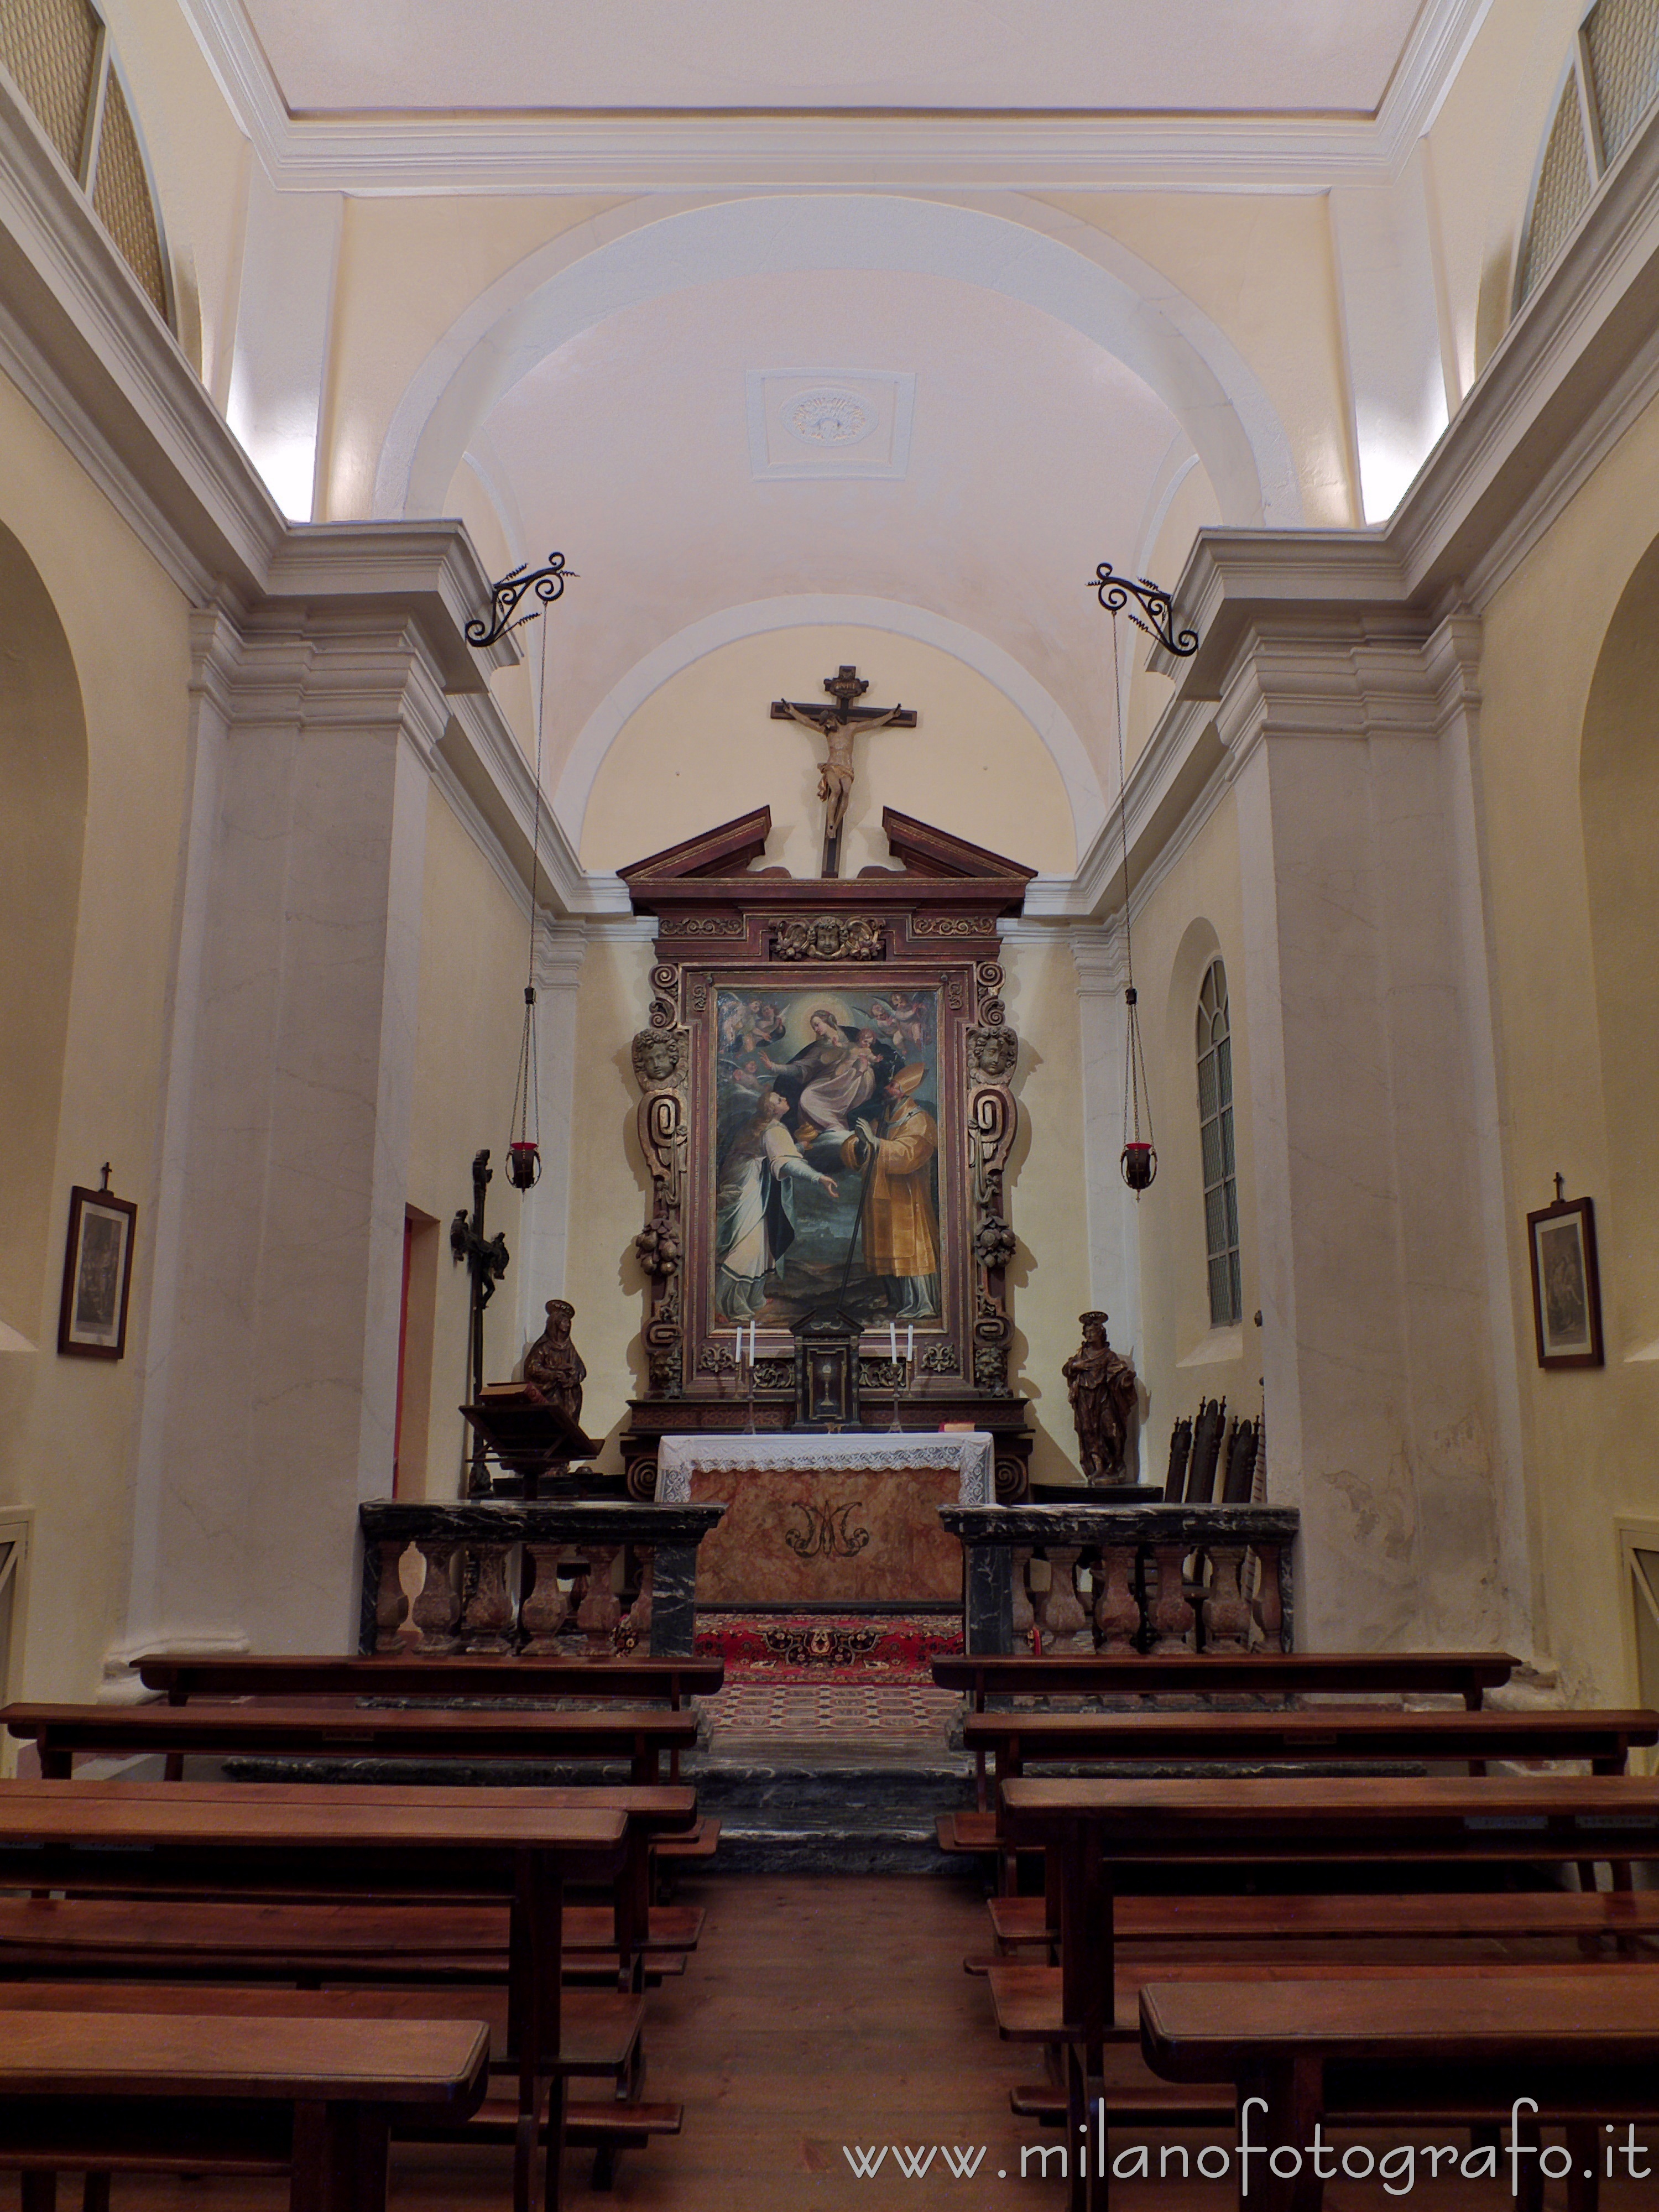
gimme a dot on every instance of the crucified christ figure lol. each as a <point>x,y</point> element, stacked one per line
<point>835,772</point>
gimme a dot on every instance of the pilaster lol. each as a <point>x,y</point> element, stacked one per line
<point>1376,1343</point>
<point>272,1398</point>
<point>544,1222</point>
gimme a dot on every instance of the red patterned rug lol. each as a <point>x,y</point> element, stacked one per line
<point>816,1647</point>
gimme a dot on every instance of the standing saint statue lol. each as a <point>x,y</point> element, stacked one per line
<point>1101,1384</point>
<point>554,1366</point>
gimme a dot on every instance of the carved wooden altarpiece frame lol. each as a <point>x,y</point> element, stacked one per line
<point>926,926</point>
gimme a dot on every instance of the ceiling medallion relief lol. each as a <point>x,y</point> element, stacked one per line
<point>806,422</point>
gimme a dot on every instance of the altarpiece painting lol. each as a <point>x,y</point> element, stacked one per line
<point>826,1117</point>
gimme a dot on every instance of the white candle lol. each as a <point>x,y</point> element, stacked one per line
<point>910,1343</point>
<point>892,1340</point>
<point>753,1328</point>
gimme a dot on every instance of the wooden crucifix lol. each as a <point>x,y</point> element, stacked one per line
<point>838,726</point>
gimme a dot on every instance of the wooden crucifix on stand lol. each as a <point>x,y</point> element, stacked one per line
<point>838,724</point>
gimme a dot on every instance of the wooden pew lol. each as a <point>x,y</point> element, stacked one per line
<point>604,2125</point>
<point>1108,1837</point>
<point>1467,1675</point>
<point>261,1730</point>
<point>1579,2048</point>
<point>313,2098</point>
<point>352,1938</point>
<point>1323,1734</point>
<point>248,1839</point>
<point>254,1675</point>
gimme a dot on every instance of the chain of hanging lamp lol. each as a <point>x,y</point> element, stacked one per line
<point>1138,1162</point>
<point>524,1152</point>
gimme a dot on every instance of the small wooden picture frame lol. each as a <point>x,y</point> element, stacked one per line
<point>1567,1285</point>
<point>92,1321</point>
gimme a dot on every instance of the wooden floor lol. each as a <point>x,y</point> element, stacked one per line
<point>819,2013</point>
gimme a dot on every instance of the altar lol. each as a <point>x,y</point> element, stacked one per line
<point>849,1519</point>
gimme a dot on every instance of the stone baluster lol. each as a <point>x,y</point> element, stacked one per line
<point>1172,1617</point>
<point>1024,1619</point>
<point>1065,1624</point>
<point>639,1613</point>
<point>390,1600</point>
<point>437,1608</point>
<point>1117,1611</point>
<point>600,1610</point>
<point>546,1607</point>
<point>487,1622</point>
<point>1227,1614</point>
<point>1273,1594</point>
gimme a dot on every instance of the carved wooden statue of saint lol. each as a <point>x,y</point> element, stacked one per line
<point>554,1365</point>
<point>1101,1384</point>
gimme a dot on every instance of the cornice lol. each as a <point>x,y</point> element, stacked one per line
<point>79,337</point>
<point>747,150</point>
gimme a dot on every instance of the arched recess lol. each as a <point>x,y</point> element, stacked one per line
<point>1070,271</point>
<point>805,609</point>
<point>1619,772</point>
<point>43,807</point>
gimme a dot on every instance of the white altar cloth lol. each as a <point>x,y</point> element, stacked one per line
<point>849,1519</point>
<point>967,1451</point>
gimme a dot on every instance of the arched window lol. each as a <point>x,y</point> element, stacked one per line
<point>58,54</point>
<point>1215,1119</point>
<point>1611,80</point>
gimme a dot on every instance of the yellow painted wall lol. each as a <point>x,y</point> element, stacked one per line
<point>701,748</point>
<point>1592,1438</point>
<point>1193,916</point>
<point>408,269</point>
<point>1484,145</point>
<point>1260,268</point>
<point>473,944</point>
<point>67,1425</point>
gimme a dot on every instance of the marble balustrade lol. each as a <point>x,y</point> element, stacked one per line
<point>490,1577</point>
<point>1165,1578</point>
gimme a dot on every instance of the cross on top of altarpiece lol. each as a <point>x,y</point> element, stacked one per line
<point>838,726</point>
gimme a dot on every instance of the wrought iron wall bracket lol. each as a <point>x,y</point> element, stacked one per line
<point>548,584</point>
<point>1114,593</point>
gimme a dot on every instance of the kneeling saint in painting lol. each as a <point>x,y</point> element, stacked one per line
<point>753,1228</point>
<point>899,1225</point>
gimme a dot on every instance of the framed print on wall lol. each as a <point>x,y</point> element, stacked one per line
<point>1566,1288</point>
<point>92,1321</point>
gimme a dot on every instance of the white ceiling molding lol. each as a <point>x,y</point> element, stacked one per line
<point>1038,255</point>
<point>807,609</point>
<point>592,152</point>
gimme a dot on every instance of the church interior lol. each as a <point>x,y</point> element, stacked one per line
<point>830,898</point>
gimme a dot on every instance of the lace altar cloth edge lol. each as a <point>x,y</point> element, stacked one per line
<point>678,1458</point>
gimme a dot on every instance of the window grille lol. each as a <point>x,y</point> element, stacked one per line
<point>58,53</point>
<point>1612,82</point>
<point>1215,1119</point>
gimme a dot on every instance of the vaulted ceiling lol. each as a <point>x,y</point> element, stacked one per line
<point>1269,56</point>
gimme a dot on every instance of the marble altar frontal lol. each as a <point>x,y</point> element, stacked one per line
<point>840,1520</point>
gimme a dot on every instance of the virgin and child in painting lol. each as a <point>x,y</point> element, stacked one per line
<point>826,1156</point>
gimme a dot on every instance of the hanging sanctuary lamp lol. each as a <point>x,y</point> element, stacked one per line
<point>524,1154</point>
<point>1138,1162</point>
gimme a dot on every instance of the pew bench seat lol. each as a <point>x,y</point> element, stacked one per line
<point>156,2090</point>
<point>289,1939</point>
<point>1581,2045</point>
<point>1023,1922</point>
